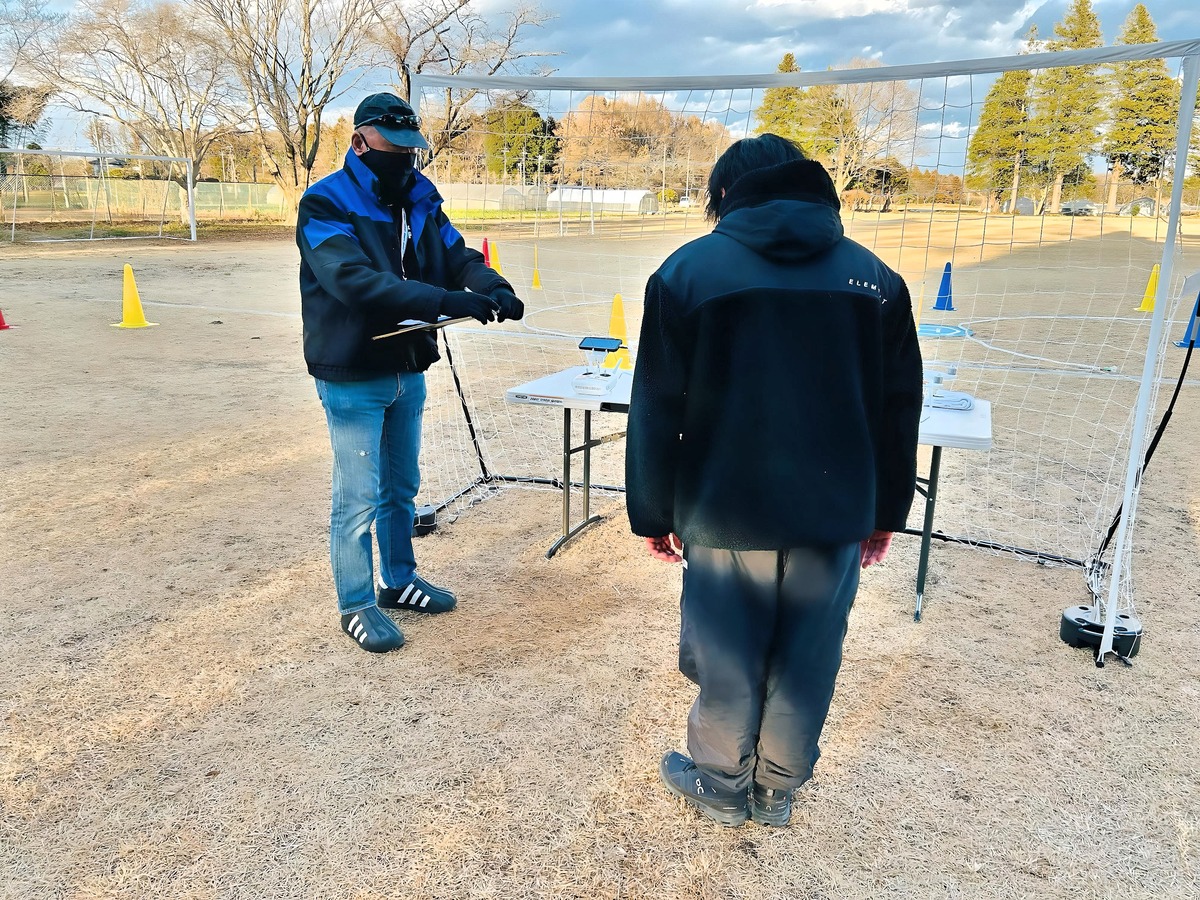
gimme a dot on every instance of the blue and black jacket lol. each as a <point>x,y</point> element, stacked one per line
<point>355,281</point>
<point>777,393</point>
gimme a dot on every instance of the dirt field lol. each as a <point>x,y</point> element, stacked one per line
<point>181,716</point>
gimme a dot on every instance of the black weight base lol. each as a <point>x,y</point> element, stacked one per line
<point>1081,626</point>
<point>424,521</point>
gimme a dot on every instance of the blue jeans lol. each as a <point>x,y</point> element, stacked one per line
<point>375,431</point>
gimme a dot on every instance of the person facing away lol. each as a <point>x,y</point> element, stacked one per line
<point>376,249</point>
<point>772,449</point>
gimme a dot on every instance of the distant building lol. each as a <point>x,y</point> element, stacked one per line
<point>1024,206</point>
<point>109,163</point>
<point>464,195</point>
<point>581,199</point>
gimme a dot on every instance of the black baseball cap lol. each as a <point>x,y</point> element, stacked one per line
<point>392,118</point>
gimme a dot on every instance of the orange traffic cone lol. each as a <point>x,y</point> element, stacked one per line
<point>4,326</point>
<point>487,254</point>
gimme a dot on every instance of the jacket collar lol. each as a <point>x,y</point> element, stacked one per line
<point>422,194</point>
<point>423,197</point>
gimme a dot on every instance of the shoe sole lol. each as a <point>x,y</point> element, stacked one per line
<point>404,607</point>
<point>374,649</point>
<point>729,820</point>
<point>760,818</point>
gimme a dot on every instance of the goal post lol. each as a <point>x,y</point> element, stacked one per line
<point>1119,600</point>
<point>69,195</point>
<point>582,186</point>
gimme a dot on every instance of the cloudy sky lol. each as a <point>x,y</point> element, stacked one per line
<point>718,37</point>
<point>737,37</point>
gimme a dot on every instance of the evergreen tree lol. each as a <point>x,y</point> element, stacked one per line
<point>996,150</point>
<point>1066,106</point>
<point>782,109</point>
<point>516,135</point>
<point>1143,109</point>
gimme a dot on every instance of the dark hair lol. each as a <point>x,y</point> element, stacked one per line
<point>745,156</point>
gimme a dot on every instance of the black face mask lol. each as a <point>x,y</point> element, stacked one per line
<point>394,170</point>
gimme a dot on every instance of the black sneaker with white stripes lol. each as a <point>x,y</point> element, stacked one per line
<point>420,596</point>
<point>373,630</point>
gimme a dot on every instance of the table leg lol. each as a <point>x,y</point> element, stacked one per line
<point>566,487</point>
<point>568,531</point>
<point>927,529</point>
<point>587,464</point>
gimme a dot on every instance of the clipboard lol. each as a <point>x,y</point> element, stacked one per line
<point>417,325</point>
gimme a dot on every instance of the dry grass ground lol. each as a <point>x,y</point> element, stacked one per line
<point>182,718</point>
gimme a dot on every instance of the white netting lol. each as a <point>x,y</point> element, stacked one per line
<point>1044,318</point>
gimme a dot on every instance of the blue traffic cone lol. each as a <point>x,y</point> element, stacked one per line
<point>944,300</point>
<point>1193,330</point>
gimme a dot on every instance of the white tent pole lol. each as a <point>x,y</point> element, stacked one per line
<point>1187,110</point>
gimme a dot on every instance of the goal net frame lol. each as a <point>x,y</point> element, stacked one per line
<point>1110,584</point>
<point>102,196</point>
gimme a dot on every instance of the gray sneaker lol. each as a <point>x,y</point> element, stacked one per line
<point>770,806</point>
<point>420,596</point>
<point>685,780</point>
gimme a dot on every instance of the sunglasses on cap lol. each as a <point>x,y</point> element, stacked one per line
<point>413,122</point>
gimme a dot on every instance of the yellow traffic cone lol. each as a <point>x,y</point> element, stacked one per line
<point>131,305</point>
<point>496,258</point>
<point>1151,290</point>
<point>537,279</point>
<point>618,359</point>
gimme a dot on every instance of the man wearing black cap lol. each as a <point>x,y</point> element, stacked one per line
<point>376,249</point>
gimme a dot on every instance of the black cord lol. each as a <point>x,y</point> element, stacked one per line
<point>1162,427</point>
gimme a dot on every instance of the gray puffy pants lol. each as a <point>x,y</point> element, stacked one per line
<point>762,636</point>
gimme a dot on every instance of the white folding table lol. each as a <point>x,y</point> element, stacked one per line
<point>557,390</point>
<point>964,429</point>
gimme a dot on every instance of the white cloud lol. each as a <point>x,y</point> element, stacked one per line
<point>952,130</point>
<point>839,9</point>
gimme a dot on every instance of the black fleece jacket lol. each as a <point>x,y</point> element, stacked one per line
<point>356,283</point>
<point>777,390</point>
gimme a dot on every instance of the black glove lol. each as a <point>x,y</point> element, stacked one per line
<point>510,306</point>
<point>457,304</point>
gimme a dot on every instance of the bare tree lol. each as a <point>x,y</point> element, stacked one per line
<point>635,141</point>
<point>854,126</point>
<point>293,57</point>
<point>22,24</point>
<point>452,37</point>
<point>148,67</point>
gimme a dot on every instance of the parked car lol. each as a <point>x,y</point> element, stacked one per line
<point>1080,208</point>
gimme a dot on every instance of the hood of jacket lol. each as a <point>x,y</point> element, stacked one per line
<point>786,213</point>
